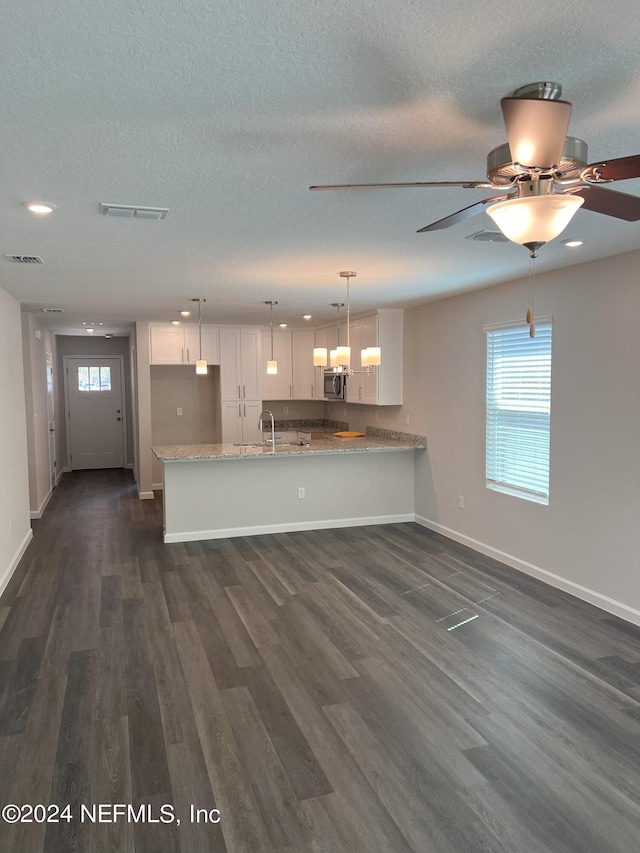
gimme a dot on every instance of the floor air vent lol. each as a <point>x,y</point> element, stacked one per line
<point>24,259</point>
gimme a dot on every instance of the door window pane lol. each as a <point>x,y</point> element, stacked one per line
<point>83,379</point>
<point>105,379</point>
<point>94,378</point>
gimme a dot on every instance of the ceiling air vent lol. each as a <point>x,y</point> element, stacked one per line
<point>133,211</point>
<point>488,237</point>
<point>24,259</point>
<point>52,310</point>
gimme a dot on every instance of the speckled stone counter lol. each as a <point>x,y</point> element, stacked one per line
<point>214,491</point>
<point>329,444</point>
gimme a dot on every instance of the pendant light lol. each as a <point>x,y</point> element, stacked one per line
<point>272,365</point>
<point>201,364</point>
<point>340,357</point>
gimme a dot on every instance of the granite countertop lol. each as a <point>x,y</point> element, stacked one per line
<point>375,440</point>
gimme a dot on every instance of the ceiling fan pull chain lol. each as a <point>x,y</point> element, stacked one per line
<point>532,327</point>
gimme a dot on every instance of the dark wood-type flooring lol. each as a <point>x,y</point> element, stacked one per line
<point>313,687</point>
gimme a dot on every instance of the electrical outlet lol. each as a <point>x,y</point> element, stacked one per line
<point>461,501</point>
<point>301,492</point>
<point>286,410</point>
<point>180,412</point>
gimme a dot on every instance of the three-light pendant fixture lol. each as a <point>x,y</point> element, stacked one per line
<point>339,359</point>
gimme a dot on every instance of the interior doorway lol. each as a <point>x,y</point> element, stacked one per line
<point>95,411</point>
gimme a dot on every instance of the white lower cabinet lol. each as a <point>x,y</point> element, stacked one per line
<point>240,422</point>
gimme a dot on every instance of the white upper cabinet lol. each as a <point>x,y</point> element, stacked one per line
<point>303,375</point>
<point>276,386</point>
<point>240,357</point>
<point>170,344</point>
<point>383,385</point>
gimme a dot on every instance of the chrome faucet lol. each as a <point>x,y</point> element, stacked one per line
<point>273,428</point>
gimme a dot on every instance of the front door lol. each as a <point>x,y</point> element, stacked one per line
<point>95,415</point>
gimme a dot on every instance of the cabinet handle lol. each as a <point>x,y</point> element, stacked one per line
<point>188,356</point>
<point>290,391</point>
<point>239,410</point>
<point>244,393</point>
<point>182,354</point>
<point>312,391</point>
<point>245,410</point>
<point>239,394</point>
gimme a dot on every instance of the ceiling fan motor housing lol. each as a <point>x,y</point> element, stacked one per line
<point>502,172</point>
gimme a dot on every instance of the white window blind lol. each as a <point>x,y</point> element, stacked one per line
<point>519,410</point>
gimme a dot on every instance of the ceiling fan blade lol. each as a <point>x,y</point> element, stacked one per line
<point>620,205</point>
<point>459,215</point>
<point>615,170</point>
<point>536,130</point>
<point>465,184</point>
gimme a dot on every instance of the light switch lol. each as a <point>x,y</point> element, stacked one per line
<point>179,411</point>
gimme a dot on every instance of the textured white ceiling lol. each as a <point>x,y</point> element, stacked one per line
<point>225,111</point>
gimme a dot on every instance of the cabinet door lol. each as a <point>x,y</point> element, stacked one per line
<point>250,369</point>
<point>210,344</point>
<point>166,345</point>
<point>369,381</point>
<point>321,340</point>
<point>230,381</point>
<point>250,415</point>
<point>276,386</point>
<point>231,413</point>
<point>303,374</point>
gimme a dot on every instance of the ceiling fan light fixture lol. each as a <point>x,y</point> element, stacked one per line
<point>535,219</point>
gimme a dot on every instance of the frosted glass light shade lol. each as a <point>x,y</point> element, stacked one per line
<point>364,357</point>
<point>333,358</point>
<point>272,367</point>
<point>536,219</point>
<point>201,366</point>
<point>344,356</point>
<point>320,357</point>
<point>374,356</point>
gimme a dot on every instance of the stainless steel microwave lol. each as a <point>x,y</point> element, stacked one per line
<point>334,385</point>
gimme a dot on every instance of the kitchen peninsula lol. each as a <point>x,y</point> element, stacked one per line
<point>215,491</point>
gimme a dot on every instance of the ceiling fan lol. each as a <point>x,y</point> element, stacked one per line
<point>543,176</point>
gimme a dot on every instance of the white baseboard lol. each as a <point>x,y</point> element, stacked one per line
<point>286,527</point>
<point>157,487</point>
<point>578,591</point>
<point>37,513</point>
<point>6,577</point>
<point>145,496</point>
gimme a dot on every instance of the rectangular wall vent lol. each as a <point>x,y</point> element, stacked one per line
<point>488,237</point>
<point>52,310</point>
<point>24,259</point>
<point>133,211</point>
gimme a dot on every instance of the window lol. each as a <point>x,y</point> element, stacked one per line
<point>94,379</point>
<point>519,409</point>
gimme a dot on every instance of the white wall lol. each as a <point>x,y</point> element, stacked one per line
<point>15,525</point>
<point>34,350</point>
<point>588,539</point>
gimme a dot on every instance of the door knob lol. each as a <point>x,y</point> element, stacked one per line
<point>118,419</point>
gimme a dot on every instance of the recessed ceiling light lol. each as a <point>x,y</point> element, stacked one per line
<point>42,208</point>
<point>571,244</point>
<point>185,313</point>
<point>306,316</point>
<point>283,325</point>
<point>175,322</point>
<point>90,331</point>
